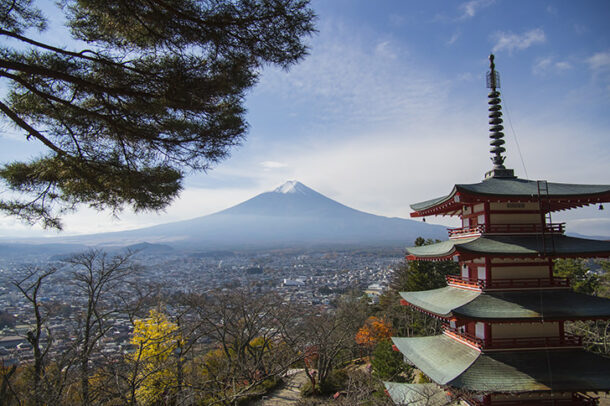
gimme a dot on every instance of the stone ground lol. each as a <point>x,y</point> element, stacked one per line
<point>289,393</point>
<point>604,398</point>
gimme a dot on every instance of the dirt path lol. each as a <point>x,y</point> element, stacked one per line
<point>289,393</point>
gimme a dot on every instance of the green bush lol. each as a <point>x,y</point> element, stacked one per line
<point>333,383</point>
<point>388,364</point>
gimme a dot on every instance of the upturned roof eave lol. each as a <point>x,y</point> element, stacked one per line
<point>439,357</point>
<point>569,370</point>
<point>558,192</point>
<point>448,362</point>
<point>511,246</point>
<point>439,302</point>
<point>435,206</point>
<point>508,307</point>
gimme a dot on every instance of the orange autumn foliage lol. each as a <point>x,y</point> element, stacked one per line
<point>373,331</point>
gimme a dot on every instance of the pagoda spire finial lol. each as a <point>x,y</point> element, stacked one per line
<point>495,124</point>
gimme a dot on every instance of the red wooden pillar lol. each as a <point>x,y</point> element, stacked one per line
<point>488,271</point>
<point>487,334</point>
<point>487,215</point>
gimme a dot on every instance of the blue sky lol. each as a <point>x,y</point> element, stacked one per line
<point>390,108</point>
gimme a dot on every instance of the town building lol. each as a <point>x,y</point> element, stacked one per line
<point>504,339</point>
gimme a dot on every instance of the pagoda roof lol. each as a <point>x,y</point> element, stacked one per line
<point>441,358</point>
<point>529,305</point>
<point>511,246</point>
<point>419,394</point>
<point>449,362</point>
<point>561,196</point>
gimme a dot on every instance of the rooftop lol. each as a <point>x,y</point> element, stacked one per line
<point>531,305</point>
<point>561,196</point>
<point>449,362</point>
<point>555,246</point>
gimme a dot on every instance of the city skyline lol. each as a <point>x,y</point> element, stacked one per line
<point>390,108</point>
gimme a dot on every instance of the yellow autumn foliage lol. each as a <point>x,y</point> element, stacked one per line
<point>156,338</point>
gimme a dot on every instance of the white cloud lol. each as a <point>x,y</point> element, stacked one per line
<point>551,10</point>
<point>471,8</point>
<point>543,66</point>
<point>515,42</point>
<point>351,88</point>
<point>384,50</point>
<point>269,165</point>
<point>581,29</point>
<point>600,62</point>
<point>591,226</point>
<point>453,38</point>
<point>563,65</point>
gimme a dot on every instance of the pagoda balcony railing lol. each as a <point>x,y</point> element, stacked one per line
<point>463,336</point>
<point>551,228</point>
<point>523,283</point>
<point>567,340</point>
<point>459,281</point>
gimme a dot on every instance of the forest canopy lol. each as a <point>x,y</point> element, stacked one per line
<point>155,90</point>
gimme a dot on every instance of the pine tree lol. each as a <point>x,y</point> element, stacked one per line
<point>388,364</point>
<point>156,89</point>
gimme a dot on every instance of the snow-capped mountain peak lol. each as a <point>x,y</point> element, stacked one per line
<point>292,186</point>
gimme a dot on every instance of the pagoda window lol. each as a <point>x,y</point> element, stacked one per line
<point>465,273</point>
<point>480,330</point>
<point>481,272</point>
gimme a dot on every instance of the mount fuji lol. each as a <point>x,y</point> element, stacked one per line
<point>291,215</point>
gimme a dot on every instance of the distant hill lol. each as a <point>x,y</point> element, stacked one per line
<point>148,247</point>
<point>26,250</point>
<point>291,215</point>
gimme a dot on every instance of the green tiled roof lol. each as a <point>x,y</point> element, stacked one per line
<point>448,362</point>
<point>440,301</point>
<point>535,304</point>
<point>526,187</point>
<point>423,394</point>
<point>528,245</point>
<point>520,371</point>
<point>518,305</point>
<point>439,357</point>
<point>516,187</point>
<point>432,202</point>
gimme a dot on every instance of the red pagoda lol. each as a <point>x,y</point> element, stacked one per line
<point>504,340</point>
